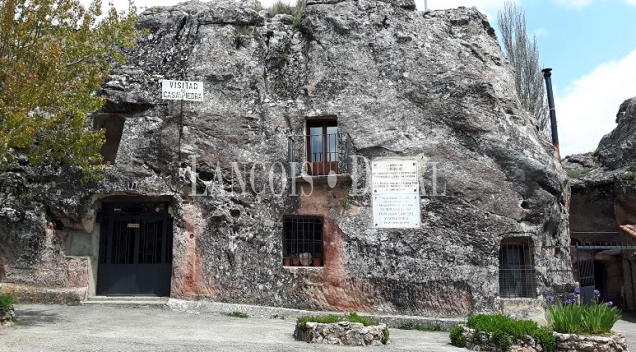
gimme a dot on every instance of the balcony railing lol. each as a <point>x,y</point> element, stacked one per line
<point>319,154</point>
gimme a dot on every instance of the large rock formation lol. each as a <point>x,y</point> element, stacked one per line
<point>603,182</point>
<point>401,83</point>
<point>603,205</point>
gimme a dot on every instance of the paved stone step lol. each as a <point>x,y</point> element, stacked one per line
<point>129,301</point>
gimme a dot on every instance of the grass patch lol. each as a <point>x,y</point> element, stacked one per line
<point>243,30</point>
<point>297,10</point>
<point>237,315</point>
<point>385,336</point>
<point>430,328</point>
<point>504,329</point>
<point>6,301</point>
<point>258,6</point>
<point>578,173</point>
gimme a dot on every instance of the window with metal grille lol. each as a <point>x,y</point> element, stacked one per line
<point>302,235</point>
<point>516,268</point>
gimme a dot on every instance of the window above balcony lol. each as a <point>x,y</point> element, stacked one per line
<point>322,151</point>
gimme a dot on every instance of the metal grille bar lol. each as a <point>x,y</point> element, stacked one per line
<point>302,235</point>
<point>516,269</point>
<point>333,154</point>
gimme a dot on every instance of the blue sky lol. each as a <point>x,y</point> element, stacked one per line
<point>590,44</point>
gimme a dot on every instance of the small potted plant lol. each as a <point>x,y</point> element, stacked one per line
<point>317,259</point>
<point>295,259</point>
<point>305,258</point>
<point>287,260</point>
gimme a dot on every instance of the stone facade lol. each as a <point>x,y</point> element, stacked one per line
<point>342,333</point>
<point>431,87</point>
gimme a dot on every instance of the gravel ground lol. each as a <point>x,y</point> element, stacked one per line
<point>101,328</point>
<point>49,328</point>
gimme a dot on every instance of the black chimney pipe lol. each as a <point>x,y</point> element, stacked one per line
<point>553,124</point>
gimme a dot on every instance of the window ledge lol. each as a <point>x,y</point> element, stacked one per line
<point>296,268</point>
<point>320,178</point>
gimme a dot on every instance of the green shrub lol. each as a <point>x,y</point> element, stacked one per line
<point>243,30</point>
<point>411,326</point>
<point>573,318</point>
<point>457,336</point>
<point>504,329</point>
<point>280,7</point>
<point>324,319</point>
<point>355,318</point>
<point>258,6</point>
<point>6,301</point>
<point>628,176</point>
<point>566,318</point>
<point>385,336</point>
<point>237,315</point>
<point>578,173</point>
<point>297,11</point>
<point>599,318</point>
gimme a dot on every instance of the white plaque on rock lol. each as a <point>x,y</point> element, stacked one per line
<point>396,193</point>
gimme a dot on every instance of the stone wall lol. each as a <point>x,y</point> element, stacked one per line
<point>431,86</point>
<point>565,342</point>
<point>342,333</point>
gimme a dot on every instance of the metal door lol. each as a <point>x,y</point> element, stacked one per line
<point>585,258</point>
<point>135,250</point>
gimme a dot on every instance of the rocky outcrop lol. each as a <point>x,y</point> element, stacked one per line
<point>603,182</point>
<point>432,86</point>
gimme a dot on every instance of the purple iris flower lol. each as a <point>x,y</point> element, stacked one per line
<point>577,292</point>
<point>609,304</point>
<point>550,298</point>
<point>597,293</point>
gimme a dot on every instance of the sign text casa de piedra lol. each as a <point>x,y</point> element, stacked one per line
<point>181,90</point>
<point>396,193</point>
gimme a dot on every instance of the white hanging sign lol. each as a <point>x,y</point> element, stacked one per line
<point>181,90</point>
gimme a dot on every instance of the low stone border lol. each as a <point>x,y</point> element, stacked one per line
<point>7,316</point>
<point>565,342</point>
<point>341,333</point>
<point>591,343</point>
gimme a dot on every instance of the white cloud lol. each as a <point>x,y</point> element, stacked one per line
<point>540,32</point>
<point>575,3</point>
<point>586,111</point>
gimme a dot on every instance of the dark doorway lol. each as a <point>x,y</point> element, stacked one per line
<point>135,251</point>
<point>600,281</point>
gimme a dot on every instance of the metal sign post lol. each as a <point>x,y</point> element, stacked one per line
<point>181,90</point>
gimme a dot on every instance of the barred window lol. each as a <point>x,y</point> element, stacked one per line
<point>516,268</point>
<point>302,239</point>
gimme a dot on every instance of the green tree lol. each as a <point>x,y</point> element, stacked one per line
<point>54,55</point>
<point>523,53</point>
